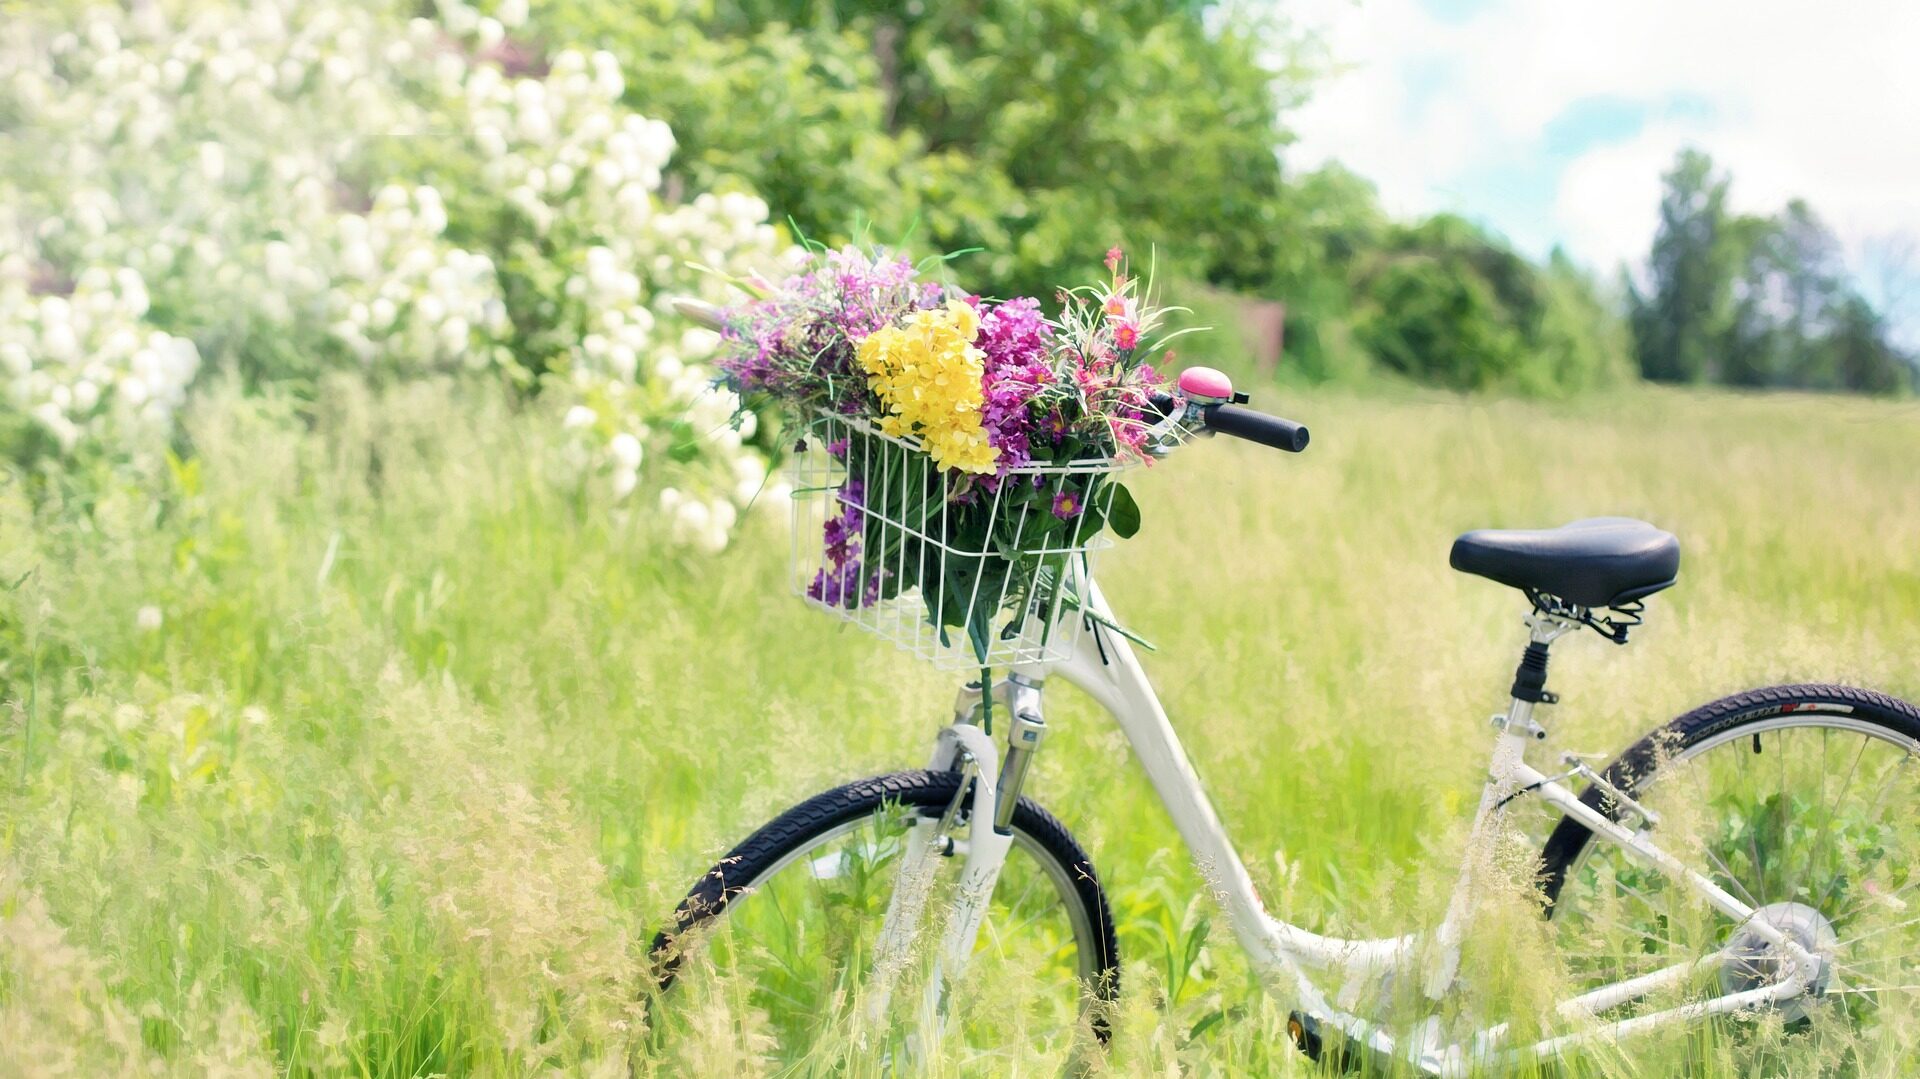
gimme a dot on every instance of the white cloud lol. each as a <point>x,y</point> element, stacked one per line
<point>1795,98</point>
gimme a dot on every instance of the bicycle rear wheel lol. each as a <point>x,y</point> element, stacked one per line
<point>1801,801</point>
<point>789,923</point>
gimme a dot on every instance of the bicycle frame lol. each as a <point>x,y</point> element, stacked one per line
<point>1284,955</point>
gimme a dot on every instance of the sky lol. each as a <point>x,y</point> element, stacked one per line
<point>1551,121</point>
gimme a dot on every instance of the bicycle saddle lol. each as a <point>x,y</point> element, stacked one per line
<point>1598,562</point>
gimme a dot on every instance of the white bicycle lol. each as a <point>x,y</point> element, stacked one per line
<point>1756,854</point>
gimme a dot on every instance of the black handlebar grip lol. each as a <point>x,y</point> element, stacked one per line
<point>1256,427</point>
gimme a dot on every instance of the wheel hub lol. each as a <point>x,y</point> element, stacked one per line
<point>1752,962</point>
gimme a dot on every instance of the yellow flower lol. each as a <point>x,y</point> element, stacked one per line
<point>927,375</point>
<point>966,321</point>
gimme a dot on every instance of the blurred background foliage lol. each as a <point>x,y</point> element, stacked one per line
<point>1028,130</point>
<point>1754,300</point>
<point>1035,131</point>
<point>515,190</point>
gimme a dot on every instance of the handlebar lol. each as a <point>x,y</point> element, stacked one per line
<point>1225,418</point>
<point>1239,422</point>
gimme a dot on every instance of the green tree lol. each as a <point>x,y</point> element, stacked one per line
<point>1864,359</point>
<point>1038,132</point>
<point>1681,318</point>
<point>1791,283</point>
<point>1445,302</point>
<point>1755,300</point>
<point>1583,342</point>
<point>1329,223</point>
<point>1442,304</point>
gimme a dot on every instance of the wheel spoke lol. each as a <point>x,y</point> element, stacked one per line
<point>1880,932</point>
<point>1721,866</point>
<point>1892,773</point>
<point>1817,826</point>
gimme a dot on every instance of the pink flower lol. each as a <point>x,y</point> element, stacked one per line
<point>1126,334</point>
<point>1115,306</point>
<point>1113,258</point>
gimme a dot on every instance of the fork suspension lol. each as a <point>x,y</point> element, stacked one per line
<point>1026,730</point>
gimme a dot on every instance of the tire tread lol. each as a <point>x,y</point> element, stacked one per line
<point>728,879</point>
<point>1632,767</point>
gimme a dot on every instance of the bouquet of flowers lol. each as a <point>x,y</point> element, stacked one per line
<point>964,448</point>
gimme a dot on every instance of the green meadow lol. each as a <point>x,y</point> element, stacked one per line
<point>367,749</point>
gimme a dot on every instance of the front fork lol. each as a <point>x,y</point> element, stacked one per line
<point>965,744</point>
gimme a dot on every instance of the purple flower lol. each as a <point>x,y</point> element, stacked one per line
<point>830,587</point>
<point>1014,339</point>
<point>841,537</point>
<point>1068,504</point>
<point>846,587</point>
<point>1013,334</point>
<point>798,344</point>
<point>843,581</point>
<point>1055,425</point>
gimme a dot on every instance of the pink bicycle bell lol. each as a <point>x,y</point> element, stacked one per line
<point>1206,386</point>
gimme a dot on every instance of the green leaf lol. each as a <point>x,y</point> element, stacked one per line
<point>1212,1019</point>
<point>1197,939</point>
<point>1123,513</point>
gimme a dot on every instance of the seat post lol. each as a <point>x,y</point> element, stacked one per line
<point>1530,677</point>
<point>1505,774</point>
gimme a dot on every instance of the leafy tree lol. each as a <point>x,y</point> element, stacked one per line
<point>1814,286</point>
<point>1442,304</point>
<point>1791,280</point>
<point>1863,357</point>
<point>1583,341</point>
<point>1755,300</point>
<point>1330,222</point>
<point>1038,132</point>
<point>1682,317</point>
<point>1447,303</point>
<point>799,118</point>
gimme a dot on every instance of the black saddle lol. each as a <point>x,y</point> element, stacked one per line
<point>1598,562</point>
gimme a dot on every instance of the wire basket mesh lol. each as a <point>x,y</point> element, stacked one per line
<point>961,571</point>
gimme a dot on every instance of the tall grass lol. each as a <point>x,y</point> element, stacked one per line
<point>425,745</point>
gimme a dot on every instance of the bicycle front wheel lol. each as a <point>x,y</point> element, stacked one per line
<point>787,933</point>
<point>1802,802</point>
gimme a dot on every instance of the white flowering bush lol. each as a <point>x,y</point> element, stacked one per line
<point>385,287</point>
<point>78,363</point>
<point>282,188</point>
<point>580,176</point>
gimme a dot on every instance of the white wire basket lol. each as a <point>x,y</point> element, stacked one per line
<point>961,571</point>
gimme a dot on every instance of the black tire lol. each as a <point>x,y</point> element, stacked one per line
<point>1634,767</point>
<point>929,793</point>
